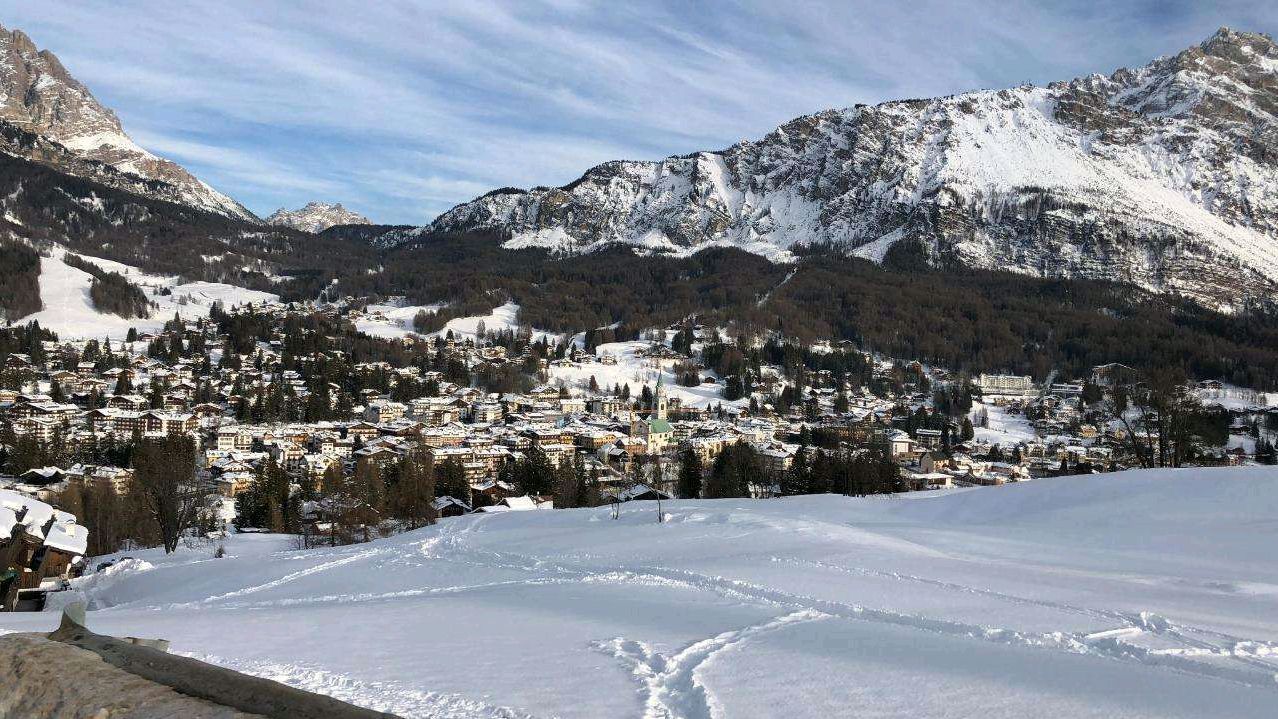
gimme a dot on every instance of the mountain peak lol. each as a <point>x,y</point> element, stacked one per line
<point>1228,37</point>
<point>316,217</point>
<point>39,96</point>
<point>1165,176</point>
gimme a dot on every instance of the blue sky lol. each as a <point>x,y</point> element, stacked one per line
<point>400,110</point>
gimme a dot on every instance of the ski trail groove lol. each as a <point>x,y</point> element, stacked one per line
<point>672,684</point>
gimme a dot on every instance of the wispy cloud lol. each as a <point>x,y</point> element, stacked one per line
<point>400,109</point>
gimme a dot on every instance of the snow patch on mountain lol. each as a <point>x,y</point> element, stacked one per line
<point>503,318</point>
<point>392,321</point>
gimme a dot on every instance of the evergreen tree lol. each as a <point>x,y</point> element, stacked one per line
<point>368,487</point>
<point>688,485</point>
<point>450,481</point>
<point>414,491</point>
<point>797,479</point>
<point>735,471</point>
<point>534,475</point>
<point>822,474</point>
<point>841,402</point>
<point>568,488</point>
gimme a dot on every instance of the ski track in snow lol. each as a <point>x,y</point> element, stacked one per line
<point>672,685</point>
<point>294,576</point>
<point>838,567</point>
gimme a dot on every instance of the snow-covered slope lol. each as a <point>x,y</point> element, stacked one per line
<point>1142,594</point>
<point>69,310</point>
<point>38,95</point>
<point>316,217</point>
<point>630,365</point>
<point>1164,176</point>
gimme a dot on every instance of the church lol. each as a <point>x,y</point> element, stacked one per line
<point>655,431</point>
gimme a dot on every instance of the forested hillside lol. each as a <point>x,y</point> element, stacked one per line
<point>111,291</point>
<point>19,280</point>
<point>43,206</point>
<point>976,320</point>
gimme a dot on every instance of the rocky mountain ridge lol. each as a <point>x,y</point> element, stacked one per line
<point>316,217</point>
<point>1165,177</point>
<point>77,134</point>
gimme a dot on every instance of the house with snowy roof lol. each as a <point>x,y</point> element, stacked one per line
<point>37,542</point>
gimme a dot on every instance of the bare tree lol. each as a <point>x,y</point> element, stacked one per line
<point>164,474</point>
<point>1159,417</point>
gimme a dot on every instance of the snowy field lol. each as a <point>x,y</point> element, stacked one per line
<point>1237,398</point>
<point>397,322</point>
<point>1142,594</point>
<point>1005,429</point>
<point>391,321</point>
<point>69,311</point>
<point>634,369</point>
<point>505,317</point>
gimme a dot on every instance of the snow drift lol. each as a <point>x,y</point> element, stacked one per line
<point>1137,594</point>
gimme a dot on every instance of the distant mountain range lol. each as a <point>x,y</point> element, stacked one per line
<point>1165,177</point>
<point>316,217</point>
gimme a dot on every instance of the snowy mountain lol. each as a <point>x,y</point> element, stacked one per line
<point>1165,176</point>
<point>1130,595</point>
<point>316,217</point>
<point>50,117</point>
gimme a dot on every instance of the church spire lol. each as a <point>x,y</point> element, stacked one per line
<point>659,398</point>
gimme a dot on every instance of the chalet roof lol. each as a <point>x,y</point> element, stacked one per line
<point>447,501</point>
<point>69,538</point>
<point>38,514</point>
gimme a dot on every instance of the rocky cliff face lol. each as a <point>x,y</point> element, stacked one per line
<point>316,217</point>
<point>1165,176</point>
<point>38,96</point>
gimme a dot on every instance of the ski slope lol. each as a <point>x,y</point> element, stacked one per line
<point>1140,594</point>
<point>69,311</point>
<point>632,367</point>
<point>502,318</point>
<point>391,321</point>
<point>1005,429</point>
